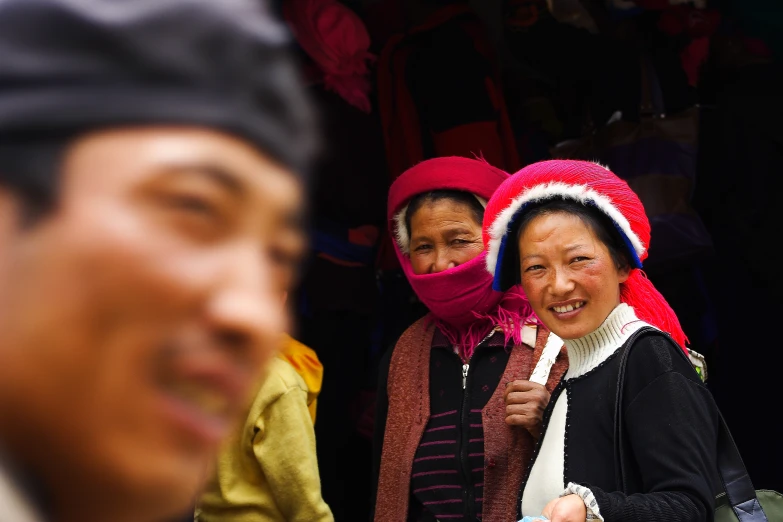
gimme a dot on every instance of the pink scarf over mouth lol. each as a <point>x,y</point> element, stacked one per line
<point>460,300</point>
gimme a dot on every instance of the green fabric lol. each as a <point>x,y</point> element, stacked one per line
<point>771,502</point>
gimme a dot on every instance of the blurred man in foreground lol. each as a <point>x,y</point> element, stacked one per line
<point>150,154</point>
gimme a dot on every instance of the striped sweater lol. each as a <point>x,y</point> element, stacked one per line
<point>448,468</point>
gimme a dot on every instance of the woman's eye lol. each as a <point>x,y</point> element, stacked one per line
<point>422,248</point>
<point>533,268</point>
<point>577,259</point>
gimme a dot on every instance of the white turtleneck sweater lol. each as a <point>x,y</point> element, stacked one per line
<point>546,480</point>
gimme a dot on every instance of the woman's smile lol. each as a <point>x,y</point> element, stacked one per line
<point>569,309</point>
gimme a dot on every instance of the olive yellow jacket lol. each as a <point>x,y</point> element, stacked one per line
<point>269,471</point>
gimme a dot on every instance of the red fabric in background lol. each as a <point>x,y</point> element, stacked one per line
<point>404,131</point>
<point>400,115</point>
<point>336,39</point>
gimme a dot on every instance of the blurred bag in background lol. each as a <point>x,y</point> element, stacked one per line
<point>656,155</point>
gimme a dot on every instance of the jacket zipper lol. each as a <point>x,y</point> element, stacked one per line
<point>469,495</point>
<point>466,364</point>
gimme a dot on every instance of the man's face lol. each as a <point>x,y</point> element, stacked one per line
<point>134,320</point>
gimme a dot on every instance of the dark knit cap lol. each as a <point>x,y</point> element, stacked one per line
<point>69,66</point>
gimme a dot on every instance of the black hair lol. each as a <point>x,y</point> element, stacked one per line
<point>601,225</point>
<point>457,196</point>
<point>30,171</point>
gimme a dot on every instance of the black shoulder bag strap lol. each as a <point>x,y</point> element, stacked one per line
<point>740,492</point>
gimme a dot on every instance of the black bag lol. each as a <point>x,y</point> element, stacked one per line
<point>739,492</point>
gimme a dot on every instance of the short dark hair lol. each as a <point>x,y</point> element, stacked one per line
<point>601,225</point>
<point>30,170</point>
<point>457,196</point>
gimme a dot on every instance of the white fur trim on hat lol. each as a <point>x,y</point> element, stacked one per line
<point>580,193</point>
<point>401,231</point>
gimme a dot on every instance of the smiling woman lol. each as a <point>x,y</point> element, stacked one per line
<point>574,235</point>
<point>573,256</point>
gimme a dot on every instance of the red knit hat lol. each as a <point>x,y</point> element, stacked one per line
<point>472,175</point>
<point>590,184</point>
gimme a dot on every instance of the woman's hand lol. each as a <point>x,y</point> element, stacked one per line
<point>525,405</point>
<point>570,508</point>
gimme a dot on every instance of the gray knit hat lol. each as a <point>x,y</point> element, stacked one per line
<point>67,66</point>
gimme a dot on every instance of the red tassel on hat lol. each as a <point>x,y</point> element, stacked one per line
<point>650,306</point>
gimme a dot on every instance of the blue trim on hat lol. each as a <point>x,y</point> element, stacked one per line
<point>496,279</point>
<point>496,285</point>
<point>635,261</point>
<point>496,282</point>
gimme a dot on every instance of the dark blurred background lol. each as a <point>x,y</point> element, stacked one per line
<point>684,101</point>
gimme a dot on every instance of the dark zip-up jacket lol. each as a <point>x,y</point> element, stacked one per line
<point>442,448</point>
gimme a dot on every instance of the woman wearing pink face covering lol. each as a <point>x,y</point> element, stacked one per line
<point>444,448</point>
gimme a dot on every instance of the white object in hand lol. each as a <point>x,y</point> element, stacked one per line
<point>552,348</point>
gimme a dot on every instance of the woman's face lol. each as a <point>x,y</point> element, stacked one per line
<point>444,234</point>
<point>568,274</point>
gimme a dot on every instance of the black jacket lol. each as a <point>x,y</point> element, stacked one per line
<point>450,404</point>
<point>671,425</point>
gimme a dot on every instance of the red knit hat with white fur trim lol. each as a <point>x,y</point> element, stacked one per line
<point>590,184</point>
